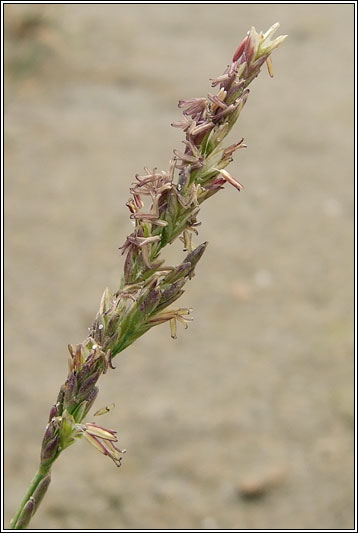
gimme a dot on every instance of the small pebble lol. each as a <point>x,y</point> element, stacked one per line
<point>257,486</point>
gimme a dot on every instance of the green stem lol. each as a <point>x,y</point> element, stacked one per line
<point>22,517</point>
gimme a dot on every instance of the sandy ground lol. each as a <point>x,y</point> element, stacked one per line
<point>257,395</point>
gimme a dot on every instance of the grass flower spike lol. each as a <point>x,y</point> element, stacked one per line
<point>163,206</point>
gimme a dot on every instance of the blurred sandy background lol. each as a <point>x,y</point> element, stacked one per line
<point>246,421</point>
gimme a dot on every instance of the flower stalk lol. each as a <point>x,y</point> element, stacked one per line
<point>148,285</point>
